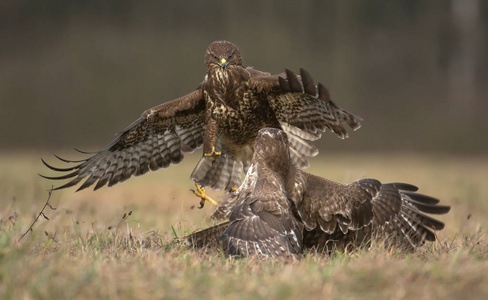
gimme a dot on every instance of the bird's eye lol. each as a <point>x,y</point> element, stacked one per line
<point>230,56</point>
<point>215,56</point>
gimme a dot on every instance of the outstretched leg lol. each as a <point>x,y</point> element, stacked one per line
<point>200,192</point>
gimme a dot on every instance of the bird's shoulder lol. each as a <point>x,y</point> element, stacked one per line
<point>263,82</point>
<point>189,103</point>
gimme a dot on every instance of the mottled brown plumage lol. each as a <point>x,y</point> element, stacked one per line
<point>224,115</point>
<point>281,210</point>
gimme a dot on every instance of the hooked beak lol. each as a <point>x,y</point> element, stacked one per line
<point>223,63</point>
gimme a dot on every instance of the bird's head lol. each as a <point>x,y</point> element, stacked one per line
<point>222,54</point>
<point>271,146</point>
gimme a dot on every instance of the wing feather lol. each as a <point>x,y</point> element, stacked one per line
<point>156,140</point>
<point>368,206</point>
<point>257,229</point>
<point>277,201</point>
<point>332,204</point>
<point>298,102</point>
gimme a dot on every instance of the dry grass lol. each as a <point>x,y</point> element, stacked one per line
<point>86,249</point>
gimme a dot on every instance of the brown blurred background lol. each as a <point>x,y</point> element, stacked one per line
<point>73,73</point>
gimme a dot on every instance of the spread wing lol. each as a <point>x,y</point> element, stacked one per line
<point>155,140</point>
<point>330,205</point>
<point>366,206</point>
<point>306,109</point>
<point>276,201</point>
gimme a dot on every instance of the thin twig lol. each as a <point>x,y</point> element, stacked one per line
<point>124,217</point>
<point>459,232</point>
<point>41,213</point>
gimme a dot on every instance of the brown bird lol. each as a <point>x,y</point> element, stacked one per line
<point>280,210</point>
<point>224,114</point>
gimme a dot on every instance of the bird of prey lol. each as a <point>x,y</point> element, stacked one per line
<point>280,210</point>
<point>224,115</point>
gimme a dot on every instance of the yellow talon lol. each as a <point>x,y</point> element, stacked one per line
<point>213,154</point>
<point>233,189</point>
<point>200,192</point>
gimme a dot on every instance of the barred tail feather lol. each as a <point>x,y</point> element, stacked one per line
<point>295,131</point>
<point>223,173</point>
<point>300,149</point>
<point>206,237</point>
<point>297,159</point>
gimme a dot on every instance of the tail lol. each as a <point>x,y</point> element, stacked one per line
<point>207,237</point>
<point>223,173</point>
<point>300,148</point>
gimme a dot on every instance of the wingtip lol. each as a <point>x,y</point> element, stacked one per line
<point>293,82</point>
<point>323,92</point>
<point>289,74</point>
<point>69,184</point>
<point>85,152</point>
<point>308,83</point>
<point>58,169</point>
<point>67,176</point>
<point>406,187</point>
<point>285,87</point>
<point>80,188</point>
<point>305,74</point>
<point>67,160</point>
<point>443,209</point>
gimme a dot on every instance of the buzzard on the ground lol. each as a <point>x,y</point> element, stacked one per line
<point>281,210</point>
<point>224,114</point>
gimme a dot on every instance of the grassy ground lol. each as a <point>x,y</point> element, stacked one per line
<point>87,250</point>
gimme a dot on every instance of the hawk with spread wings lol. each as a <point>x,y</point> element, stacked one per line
<point>224,115</point>
<point>280,210</point>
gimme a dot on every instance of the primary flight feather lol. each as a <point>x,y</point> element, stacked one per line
<point>224,115</point>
